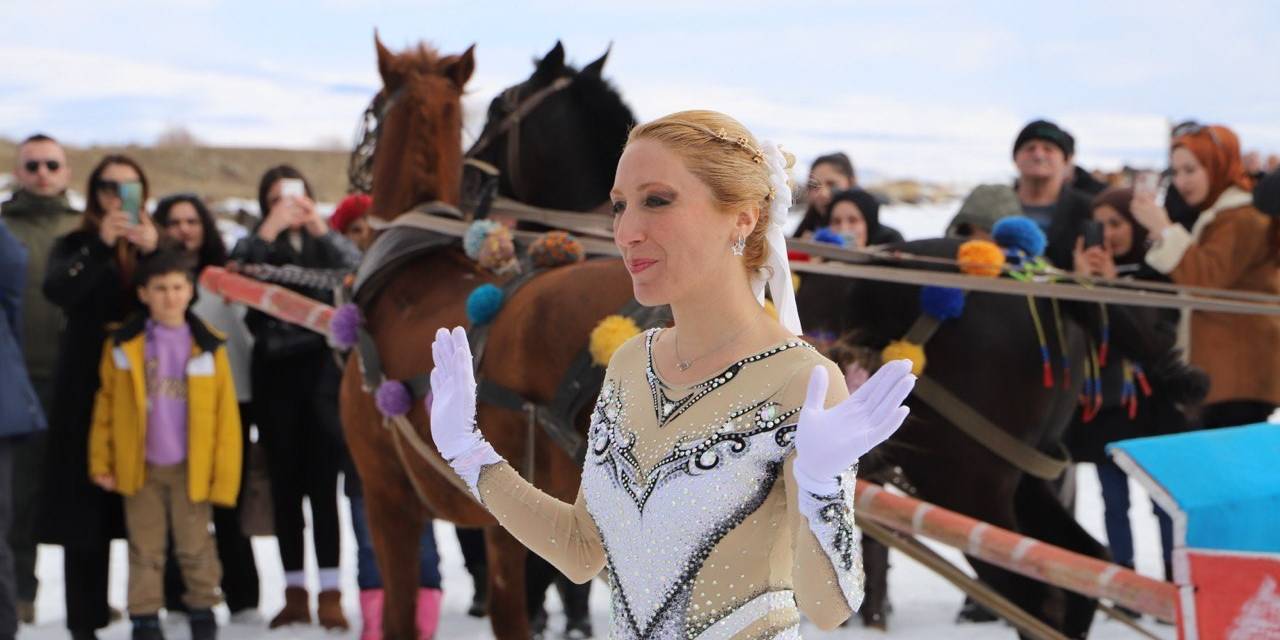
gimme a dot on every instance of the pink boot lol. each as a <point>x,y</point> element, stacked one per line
<point>371,613</point>
<point>429,612</point>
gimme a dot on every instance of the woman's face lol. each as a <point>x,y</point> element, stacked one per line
<point>824,180</point>
<point>117,173</point>
<point>360,233</point>
<point>1189,176</point>
<point>1117,232</point>
<point>184,226</point>
<point>847,220</point>
<point>672,237</point>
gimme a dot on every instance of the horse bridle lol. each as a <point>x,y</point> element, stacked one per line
<point>510,125</point>
<point>360,167</point>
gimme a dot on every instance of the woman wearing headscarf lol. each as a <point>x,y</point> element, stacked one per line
<point>1231,245</point>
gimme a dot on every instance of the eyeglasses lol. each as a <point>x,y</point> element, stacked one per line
<point>33,166</point>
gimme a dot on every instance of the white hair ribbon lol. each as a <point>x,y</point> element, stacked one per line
<point>777,270</point>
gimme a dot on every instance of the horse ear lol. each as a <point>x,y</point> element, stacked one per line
<point>460,70</point>
<point>552,64</point>
<point>597,68</point>
<point>385,58</point>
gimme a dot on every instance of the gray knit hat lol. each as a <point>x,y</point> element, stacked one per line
<point>983,207</point>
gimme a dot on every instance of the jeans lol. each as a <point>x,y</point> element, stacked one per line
<point>367,574</point>
<point>1115,501</point>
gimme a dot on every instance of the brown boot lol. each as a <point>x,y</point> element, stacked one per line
<point>297,608</point>
<point>330,613</point>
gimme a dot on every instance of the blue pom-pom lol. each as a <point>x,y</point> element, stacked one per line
<point>1020,233</point>
<point>484,304</point>
<point>393,398</point>
<point>344,328</point>
<point>828,236</point>
<point>473,240</point>
<point>943,303</point>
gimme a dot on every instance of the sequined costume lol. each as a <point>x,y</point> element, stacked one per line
<point>686,498</point>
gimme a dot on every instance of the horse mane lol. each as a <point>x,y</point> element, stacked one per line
<point>422,58</point>
<point>609,118</point>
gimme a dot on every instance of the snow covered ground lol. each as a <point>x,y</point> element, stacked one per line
<point>925,605</point>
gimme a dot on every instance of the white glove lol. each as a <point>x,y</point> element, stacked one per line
<point>829,441</point>
<point>453,408</point>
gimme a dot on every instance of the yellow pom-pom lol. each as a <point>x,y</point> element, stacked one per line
<point>770,309</point>
<point>981,258</point>
<point>903,350</point>
<point>609,335</point>
<point>795,281</point>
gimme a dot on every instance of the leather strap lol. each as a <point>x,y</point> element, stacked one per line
<point>1016,452</point>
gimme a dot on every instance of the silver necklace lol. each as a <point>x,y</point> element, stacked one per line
<point>684,365</point>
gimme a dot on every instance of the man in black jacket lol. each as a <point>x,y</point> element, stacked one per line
<point>1042,154</point>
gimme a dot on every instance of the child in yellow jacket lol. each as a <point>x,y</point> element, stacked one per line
<point>166,436</point>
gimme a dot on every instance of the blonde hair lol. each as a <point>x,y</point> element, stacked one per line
<point>724,155</point>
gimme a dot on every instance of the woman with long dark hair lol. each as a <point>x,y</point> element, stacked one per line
<point>187,222</point>
<point>89,276</point>
<point>295,395</point>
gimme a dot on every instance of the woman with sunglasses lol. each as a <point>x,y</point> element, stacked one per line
<point>89,276</point>
<point>1231,245</point>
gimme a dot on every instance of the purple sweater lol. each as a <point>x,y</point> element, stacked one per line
<point>167,352</point>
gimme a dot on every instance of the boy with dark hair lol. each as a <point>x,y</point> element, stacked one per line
<point>166,436</point>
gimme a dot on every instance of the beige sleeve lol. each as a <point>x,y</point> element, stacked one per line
<point>826,556</point>
<point>565,535</point>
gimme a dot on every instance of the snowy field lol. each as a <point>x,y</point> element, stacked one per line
<point>924,604</point>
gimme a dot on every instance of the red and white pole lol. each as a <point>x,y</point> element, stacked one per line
<point>1019,553</point>
<point>268,298</point>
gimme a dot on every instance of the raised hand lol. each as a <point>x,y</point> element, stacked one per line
<point>453,407</point>
<point>829,441</point>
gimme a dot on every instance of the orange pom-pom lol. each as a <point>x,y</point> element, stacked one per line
<point>981,258</point>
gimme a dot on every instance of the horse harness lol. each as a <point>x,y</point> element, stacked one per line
<point>972,423</point>
<point>414,234</point>
<point>510,125</point>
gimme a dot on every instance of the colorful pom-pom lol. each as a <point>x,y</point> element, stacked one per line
<point>981,258</point>
<point>1020,233</point>
<point>555,249</point>
<point>943,303</point>
<point>344,327</point>
<point>610,334</point>
<point>497,250</point>
<point>903,350</point>
<point>828,236</point>
<point>475,236</point>
<point>393,398</point>
<point>484,303</point>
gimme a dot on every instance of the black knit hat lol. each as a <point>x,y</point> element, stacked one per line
<point>1049,132</point>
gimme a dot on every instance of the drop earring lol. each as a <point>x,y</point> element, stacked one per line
<point>740,246</point>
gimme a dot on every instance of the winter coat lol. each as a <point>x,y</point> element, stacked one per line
<point>1229,247</point>
<point>38,222</point>
<point>82,279</point>
<point>20,411</point>
<point>118,437</point>
<point>274,338</point>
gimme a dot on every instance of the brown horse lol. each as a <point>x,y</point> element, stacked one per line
<point>418,160</point>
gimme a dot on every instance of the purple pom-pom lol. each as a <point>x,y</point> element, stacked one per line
<point>393,398</point>
<point>344,327</point>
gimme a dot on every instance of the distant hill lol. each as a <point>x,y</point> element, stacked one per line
<point>213,172</point>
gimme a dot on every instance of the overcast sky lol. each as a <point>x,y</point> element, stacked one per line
<point>923,89</point>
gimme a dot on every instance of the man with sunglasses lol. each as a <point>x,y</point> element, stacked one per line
<point>37,214</point>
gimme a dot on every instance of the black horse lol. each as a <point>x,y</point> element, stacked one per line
<point>557,136</point>
<point>569,127</point>
<point>990,358</point>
